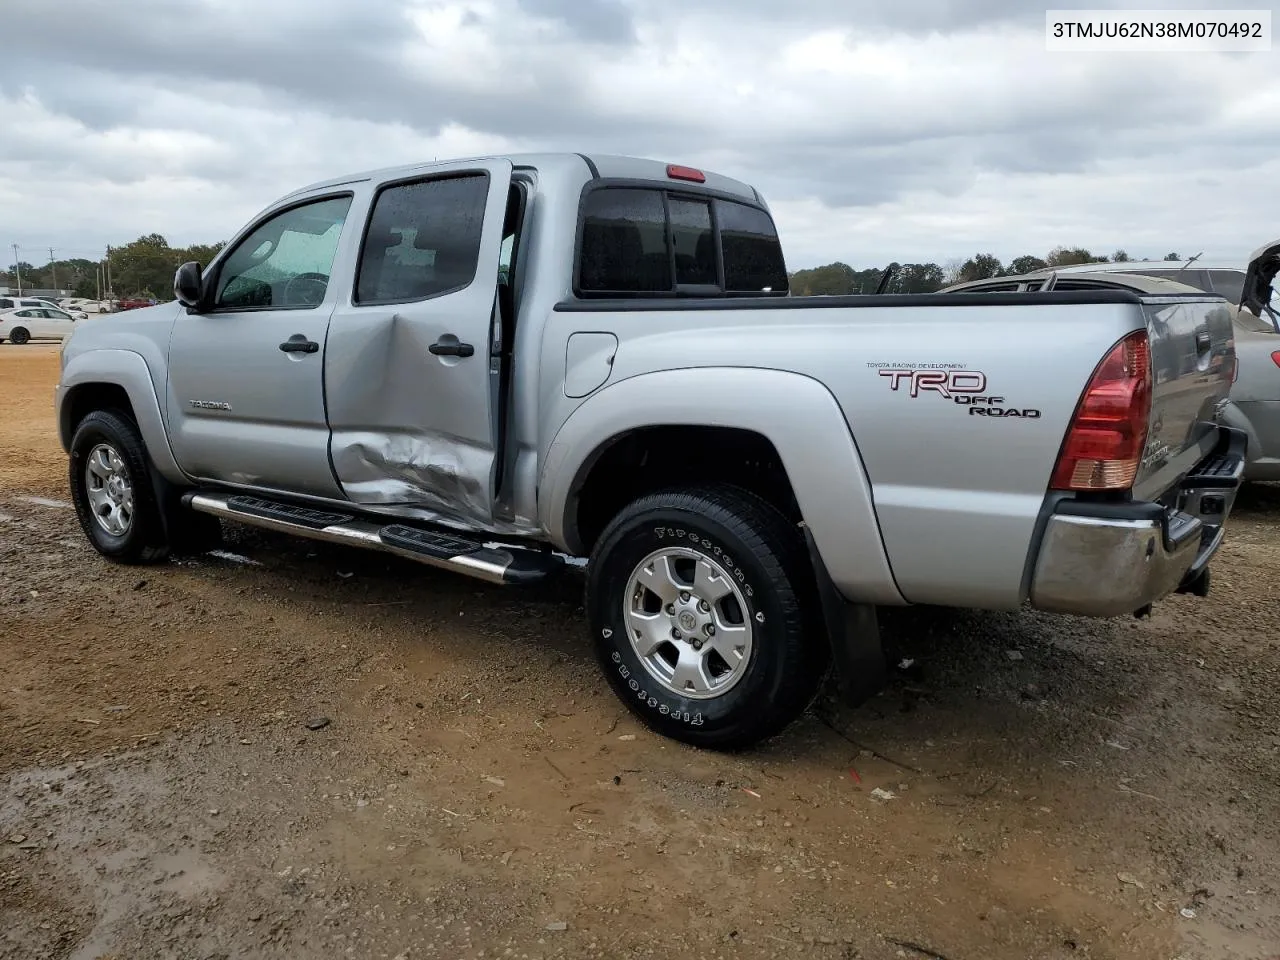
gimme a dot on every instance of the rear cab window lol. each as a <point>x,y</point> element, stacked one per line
<point>651,241</point>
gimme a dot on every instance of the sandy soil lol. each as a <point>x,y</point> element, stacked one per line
<point>1061,788</point>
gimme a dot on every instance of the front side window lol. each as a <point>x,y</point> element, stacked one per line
<point>423,239</point>
<point>286,261</point>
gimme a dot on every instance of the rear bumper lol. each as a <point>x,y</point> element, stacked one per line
<point>1111,559</point>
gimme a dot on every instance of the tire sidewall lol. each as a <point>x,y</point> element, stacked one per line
<point>19,336</point>
<point>93,430</point>
<point>766,611</point>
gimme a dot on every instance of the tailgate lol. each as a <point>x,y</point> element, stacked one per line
<point>1192,359</point>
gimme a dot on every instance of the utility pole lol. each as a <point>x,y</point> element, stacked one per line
<point>17,268</point>
<point>106,275</point>
<point>54,271</point>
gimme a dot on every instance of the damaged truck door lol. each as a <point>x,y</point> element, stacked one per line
<point>408,372</point>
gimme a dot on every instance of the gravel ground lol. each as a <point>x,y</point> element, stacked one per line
<point>1060,788</point>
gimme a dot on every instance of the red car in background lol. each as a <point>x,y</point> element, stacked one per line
<point>134,304</point>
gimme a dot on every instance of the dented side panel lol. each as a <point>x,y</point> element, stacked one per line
<point>409,427</point>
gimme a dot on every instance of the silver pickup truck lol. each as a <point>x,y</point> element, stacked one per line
<point>486,365</point>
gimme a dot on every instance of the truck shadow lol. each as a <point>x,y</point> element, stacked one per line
<point>1020,677</point>
<point>1257,499</point>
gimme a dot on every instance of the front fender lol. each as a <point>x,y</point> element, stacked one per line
<point>797,414</point>
<point>129,371</point>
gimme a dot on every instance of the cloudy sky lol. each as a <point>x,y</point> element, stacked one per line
<point>909,130</point>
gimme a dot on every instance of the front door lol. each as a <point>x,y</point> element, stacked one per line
<point>246,374</point>
<point>408,371</point>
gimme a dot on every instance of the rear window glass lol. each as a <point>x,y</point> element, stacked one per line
<point>1190,278</point>
<point>638,240</point>
<point>752,253</point>
<point>694,243</point>
<point>624,243</point>
<point>1228,283</point>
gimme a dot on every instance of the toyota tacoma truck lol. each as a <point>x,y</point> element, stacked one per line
<point>490,365</point>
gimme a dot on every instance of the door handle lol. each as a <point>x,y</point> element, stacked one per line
<point>299,343</point>
<point>1203,342</point>
<point>448,346</point>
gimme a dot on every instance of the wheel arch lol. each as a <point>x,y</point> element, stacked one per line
<point>787,424</point>
<point>115,379</point>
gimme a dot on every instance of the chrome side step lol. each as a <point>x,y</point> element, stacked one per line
<point>436,547</point>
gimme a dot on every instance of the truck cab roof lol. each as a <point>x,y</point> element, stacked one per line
<point>608,166</point>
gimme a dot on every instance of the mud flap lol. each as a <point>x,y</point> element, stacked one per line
<point>854,632</point>
<point>188,533</point>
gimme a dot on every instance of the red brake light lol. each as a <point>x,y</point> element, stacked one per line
<point>1275,357</point>
<point>677,172</point>
<point>1104,442</point>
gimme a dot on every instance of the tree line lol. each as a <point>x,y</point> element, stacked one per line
<point>835,279</point>
<point>142,269</point>
<point>145,268</point>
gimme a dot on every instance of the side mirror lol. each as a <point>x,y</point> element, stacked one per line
<point>187,284</point>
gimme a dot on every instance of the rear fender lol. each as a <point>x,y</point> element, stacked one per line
<point>797,414</point>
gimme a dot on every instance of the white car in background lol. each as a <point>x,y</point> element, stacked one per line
<point>82,304</point>
<point>18,302</point>
<point>36,323</point>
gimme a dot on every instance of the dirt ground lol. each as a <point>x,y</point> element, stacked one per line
<point>1061,788</point>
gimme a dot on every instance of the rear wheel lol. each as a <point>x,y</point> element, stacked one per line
<point>700,604</point>
<point>111,488</point>
<point>19,335</point>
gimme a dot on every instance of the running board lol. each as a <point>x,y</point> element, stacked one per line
<point>447,550</point>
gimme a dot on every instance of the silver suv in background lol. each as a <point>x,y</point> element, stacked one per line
<point>1254,405</point>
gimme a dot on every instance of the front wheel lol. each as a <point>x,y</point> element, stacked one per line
<point>701,606</point>
<point>110,478</point>
<point>18,336</point>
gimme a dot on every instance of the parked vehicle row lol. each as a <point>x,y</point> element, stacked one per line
<point>485,364</point>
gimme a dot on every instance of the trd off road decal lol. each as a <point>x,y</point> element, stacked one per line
<point>950,381</point>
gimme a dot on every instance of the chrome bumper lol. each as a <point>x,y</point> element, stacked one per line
<point>1106,560</point>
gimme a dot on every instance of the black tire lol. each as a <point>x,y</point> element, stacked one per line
<point>143,541</point>
<point>18,336</point>
<point>765,558</point>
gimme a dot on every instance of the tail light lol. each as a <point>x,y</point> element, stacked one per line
<point>1275,357</point>
<point>1109,430</point>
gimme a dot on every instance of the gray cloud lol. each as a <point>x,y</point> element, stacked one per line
<point>849,105</point>
<point>604,21</point>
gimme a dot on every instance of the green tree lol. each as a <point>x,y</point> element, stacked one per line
<point>1172,256</point>
<point>1025,264</point>
<point>145,267</point>
<point>1120,256</point>
<point>1066,256</point>
<point>919,278</point>
<point>982,266</point>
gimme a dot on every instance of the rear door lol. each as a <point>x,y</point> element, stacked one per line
<point>409,375</point>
